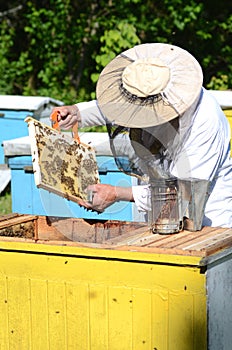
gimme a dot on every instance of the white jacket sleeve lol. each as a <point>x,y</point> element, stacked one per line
<point>206,149</point>
<point>142,197</point>
<point>90,114</point>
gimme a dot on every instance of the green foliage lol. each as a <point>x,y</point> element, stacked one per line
<point>219,83</point>
<point>6,45</point>
<point>58,48</point>
<point>121,37</point>
<point>183,14</point>
<point>5,201</point>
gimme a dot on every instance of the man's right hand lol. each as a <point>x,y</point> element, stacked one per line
<point>68,116</point>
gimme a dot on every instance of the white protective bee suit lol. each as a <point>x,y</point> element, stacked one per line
<point>200,150</point>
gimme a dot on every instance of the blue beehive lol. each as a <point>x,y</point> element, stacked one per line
<point>14,109</point>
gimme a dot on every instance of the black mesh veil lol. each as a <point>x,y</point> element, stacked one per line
<point>137,152</point>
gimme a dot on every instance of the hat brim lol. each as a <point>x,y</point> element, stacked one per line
<point>181,92</point>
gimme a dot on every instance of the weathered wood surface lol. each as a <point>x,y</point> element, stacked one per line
<point>117,235</point>
<point>20,226</point>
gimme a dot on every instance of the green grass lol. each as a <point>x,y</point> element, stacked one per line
<point>5,201</point>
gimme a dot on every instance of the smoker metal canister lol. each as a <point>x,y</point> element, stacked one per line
<point>165,203</point>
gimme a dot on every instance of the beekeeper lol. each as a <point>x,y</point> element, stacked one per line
<point>161,123</point>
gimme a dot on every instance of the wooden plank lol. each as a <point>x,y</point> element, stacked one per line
<point>155,240</point>
<point>46,231</point>
<point>78,315</point>
<point>19,226</point>
<point>128,236</point>
<point>141,303</point>
<point>12,219</point>
<point>207,240</point>
<point>166,251</point>
<point>158,240</point>
<point>93,231</point>
<point>180,318</point>
<point>98,316</point>
<point>4,329</point>
<point>19,317</point>
<point>199,324</point>
<point>39,314</point>
<point>159,319</point>
<point>120,317</point>
<point>8,216</point>
<point>57,327</point>
<point>176,240</point>
<point>216,245</point>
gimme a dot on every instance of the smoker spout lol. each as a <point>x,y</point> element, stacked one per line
<point>193,194</point>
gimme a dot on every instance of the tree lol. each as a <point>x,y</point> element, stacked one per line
<point>58,48</point>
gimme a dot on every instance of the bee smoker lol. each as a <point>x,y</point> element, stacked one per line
<point>165,217</point>
<point>177,204</point>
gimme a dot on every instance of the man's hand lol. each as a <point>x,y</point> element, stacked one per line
<point>68,116</point>
<point>104,195</point>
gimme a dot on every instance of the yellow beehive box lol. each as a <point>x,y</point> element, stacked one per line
<point>71,284</point>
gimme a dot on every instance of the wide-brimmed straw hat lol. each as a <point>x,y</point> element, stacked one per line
<point>149,85</point>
